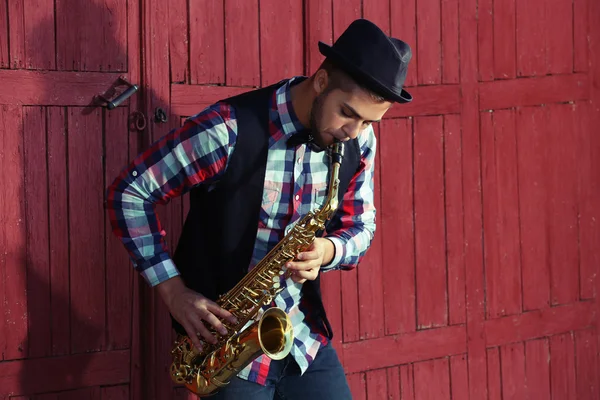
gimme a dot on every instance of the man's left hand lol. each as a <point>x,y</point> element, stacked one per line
<point>308,263</point>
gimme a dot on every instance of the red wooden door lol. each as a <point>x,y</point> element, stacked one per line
<point>66,289</point>
<point>481,282</point>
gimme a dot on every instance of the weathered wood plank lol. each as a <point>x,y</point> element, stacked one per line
<point>559,36</point>
<point>394,391</point>
<point>501,213</point>
<point>537,369</point>
<point>4,56</point>
<point>59,226</point>
<point>530,38</point>
<point>242,62</point>
<point>378,12</point>
<point>531,139</point>
<point>397,225</point>
<point>485,40</point>
<point>539,323</point>
<point>450,50</point>
<point>512,358</point>
<point>377,384</point>
<point>68,372</point>
<point>13,235</point>
<point>494,380</point>
<point>430,235</point>
<point>318,27</point>
<point>428,45</point>
<point>394,350</point>
<point>370,274</point>
<point>358,386</point>
<point>586,364</point>
<point>36,209</point>
<point>281,53</point>
<point>562,367</point>
<point>534,91</point>
<point>118,269</point>
<point>432,380</point>
<point>207,41</point>
<point>407,382</point>
<point>581,49</point>
<point>453,172</point>
<point>179,42</point>
<point>104,27</point>
<point>459,377</point>
<point>504,40</point>
<point>86,230</point>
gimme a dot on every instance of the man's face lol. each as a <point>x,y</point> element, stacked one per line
<point>342,115</point>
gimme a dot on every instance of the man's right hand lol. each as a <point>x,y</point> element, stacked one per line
<point>190,308</point>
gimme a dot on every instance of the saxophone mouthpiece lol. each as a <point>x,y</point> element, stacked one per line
<point>337,153</point>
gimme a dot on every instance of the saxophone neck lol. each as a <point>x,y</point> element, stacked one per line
<point>337,155</point>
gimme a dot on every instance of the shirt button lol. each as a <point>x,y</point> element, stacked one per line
<point>297,197</point>
<point>299,160</point>
<point>134,173</point>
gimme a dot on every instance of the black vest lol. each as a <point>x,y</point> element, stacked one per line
<point>217,241</point>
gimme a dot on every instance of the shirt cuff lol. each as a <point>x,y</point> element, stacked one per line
<point>338,245</point>
<point>160,272</point>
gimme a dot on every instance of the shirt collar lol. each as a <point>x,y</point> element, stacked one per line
<point>290,124</point>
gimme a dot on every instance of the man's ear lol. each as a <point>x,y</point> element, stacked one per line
<point>320,81</point>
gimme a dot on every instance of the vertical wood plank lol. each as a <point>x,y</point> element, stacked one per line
<point>13,235</point>
<point>429,42</point>
<point>317,14</point>
<point>559,36</point>
<point>105,28</point>
<point>378,12</point>
<point>459,377</point>
<point>432,380</point>
<point>562,203</point>
<point>581,49</point>
<point>242,58</point>
<point>16,33</point>
<point>407,382</point>
<point>118,269</point>
<point>89,393</point>
<point>397,225</point>
<point>36,209</point>
<point>403,23</point>
<point>450,51</point>
<point>430,249</point>
<point>531,42</point>
<point>537,369</point>
<point>454,219</point>
<point>513,371</point>
<point>86,228</point>
<point>393,384</point>
<point>504,39</point>
<point>473,227</point>
<point>501,213</point>
<point>281,46</point>
<point>4,56</point>
<point>586,367</point>
<point>562,367</point>
<point>350,306</point>
<point>377,384</point>
<point>531,146</point>
<point>358,386</point>
<point>120,392</point>
<point>344,12</point>
<point>588,189</point>
<point>59,226</point>
<point>207,41</point>
<point>494,381</point>
<point>179,41</point>
<point>370,273</point>
<point>485,41</point>
<point>39,34</point>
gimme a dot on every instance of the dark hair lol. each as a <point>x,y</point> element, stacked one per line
<point>339,79</point>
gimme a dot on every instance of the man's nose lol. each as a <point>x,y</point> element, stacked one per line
<point>352,129</point>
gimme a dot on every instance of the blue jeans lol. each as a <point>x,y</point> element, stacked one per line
<point>323,380</point>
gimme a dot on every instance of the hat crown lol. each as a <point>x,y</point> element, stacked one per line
<point>378,61</point>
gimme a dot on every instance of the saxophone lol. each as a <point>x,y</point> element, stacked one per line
<point>270,332</point>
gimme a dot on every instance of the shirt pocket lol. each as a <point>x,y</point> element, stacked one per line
<point>270,199</point>
<point>319,195</point>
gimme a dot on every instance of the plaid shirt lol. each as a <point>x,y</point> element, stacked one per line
<point>296,182</point>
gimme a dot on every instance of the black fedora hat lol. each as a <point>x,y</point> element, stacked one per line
<point>372,58</point>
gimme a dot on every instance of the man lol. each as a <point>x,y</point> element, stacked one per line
<point>255,164</point>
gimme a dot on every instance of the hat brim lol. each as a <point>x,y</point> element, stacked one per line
<point>363,77</point>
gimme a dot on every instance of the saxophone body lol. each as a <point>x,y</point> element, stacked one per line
<point>270,332</point>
